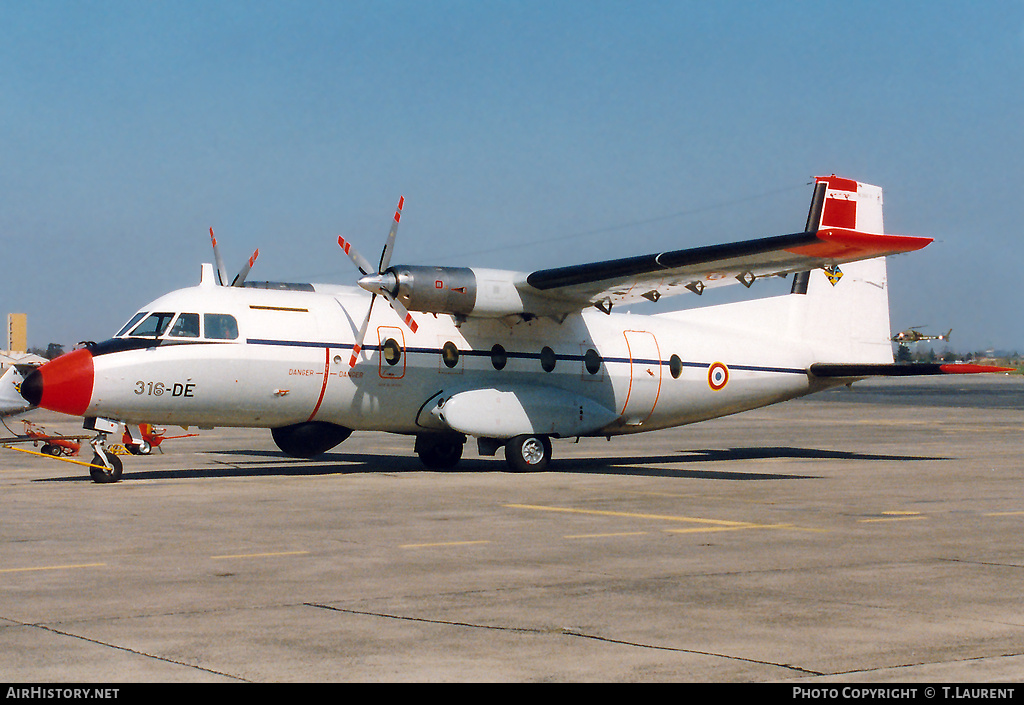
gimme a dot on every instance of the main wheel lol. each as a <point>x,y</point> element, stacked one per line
<point>440,452</point>
<point>528,453</point>
<point>143,448</point>
<point>103,474</point>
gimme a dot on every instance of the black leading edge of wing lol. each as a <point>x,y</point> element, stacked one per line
<point>545,279</point>
<point>842,369</point>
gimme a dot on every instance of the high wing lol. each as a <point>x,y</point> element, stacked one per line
<point>844,224</point>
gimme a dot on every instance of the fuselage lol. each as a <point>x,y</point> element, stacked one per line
<point>247,357</point>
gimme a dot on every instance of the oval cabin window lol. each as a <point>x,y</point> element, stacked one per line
<point>450,354</point>
<point>392,351</point>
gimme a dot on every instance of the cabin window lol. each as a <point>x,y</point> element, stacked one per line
<point>187,326</point>
<point>154,326</point>
<point>592,360</point>
<point>499,358</point>
<point>547,359</point>
<point>220,326</point>
<point>131,324</point>
<point>392,351</point>
<point>675,366</point>
<point>450,354</point>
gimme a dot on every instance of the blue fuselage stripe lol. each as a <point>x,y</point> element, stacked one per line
<point>522,355</point>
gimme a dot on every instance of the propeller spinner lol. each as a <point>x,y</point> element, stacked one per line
<point>379,282</point>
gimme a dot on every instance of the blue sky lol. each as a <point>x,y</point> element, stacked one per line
<point>524,135</point>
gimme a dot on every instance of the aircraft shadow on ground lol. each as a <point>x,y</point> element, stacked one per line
<point>260,463</point>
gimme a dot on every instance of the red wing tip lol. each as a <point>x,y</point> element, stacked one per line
<point>850,245</point>
<point>915,242</point>
<point>968,369</point>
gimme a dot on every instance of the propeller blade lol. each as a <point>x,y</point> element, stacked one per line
<point>221,272</point>
<point>376,282</point>
<point>361,262</point>
<point>401,310</point>
<point>239,279</point>
<point>389,245</point>
<point>358,347</point>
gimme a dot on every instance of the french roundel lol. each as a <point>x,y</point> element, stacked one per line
<point>718,376</point>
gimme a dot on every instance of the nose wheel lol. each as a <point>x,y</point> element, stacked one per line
<point>106,467</point>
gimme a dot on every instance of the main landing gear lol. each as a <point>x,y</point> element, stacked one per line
<point>528,453</point>
<point>440,452</point>
<point>525,453</point>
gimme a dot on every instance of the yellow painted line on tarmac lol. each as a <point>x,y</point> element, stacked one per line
<point>443,544</point>
<point>733,528</point>
<point>263,555</point>
<point>630,514</point>
<point>894,515</point>
<point>1003,514</point>
<point>706,524</point>
<point>53,567</point>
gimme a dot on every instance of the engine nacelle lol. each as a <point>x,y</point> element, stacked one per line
<point>459,291</point>
<point>310,439</point>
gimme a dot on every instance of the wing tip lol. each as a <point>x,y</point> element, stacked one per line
<point>853,370</point>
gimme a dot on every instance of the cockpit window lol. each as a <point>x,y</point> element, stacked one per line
<point>131,324</point>
<point>154,326</point>
<point>220,326</point>
<point>187,326</point>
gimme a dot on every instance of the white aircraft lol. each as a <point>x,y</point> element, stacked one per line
<point>11,401</point>
<point>14,366</point>
<point>510,358</point>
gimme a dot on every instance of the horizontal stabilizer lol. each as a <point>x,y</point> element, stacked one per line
<point>831,369</point>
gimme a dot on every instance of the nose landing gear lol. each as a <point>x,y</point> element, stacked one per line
<point>106,467</point>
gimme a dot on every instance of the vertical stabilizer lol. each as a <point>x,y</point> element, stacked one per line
<point>846,308</point>
<point>850,204</point>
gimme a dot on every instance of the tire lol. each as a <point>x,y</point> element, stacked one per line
<point>528,453</point>
<point>440,453</point>
<point>143,448</point>
<point>104,475</point>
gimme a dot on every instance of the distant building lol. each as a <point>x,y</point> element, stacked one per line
<point>16,351</point>
<point>17,332</point>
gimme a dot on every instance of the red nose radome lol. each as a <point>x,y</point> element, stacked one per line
<point>63,385</point>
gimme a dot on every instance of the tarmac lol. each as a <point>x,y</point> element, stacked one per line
<point>864,535</point>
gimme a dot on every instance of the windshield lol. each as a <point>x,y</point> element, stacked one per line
<point>154,326</point>
<point>130,324</point>
<point>215,326</point>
